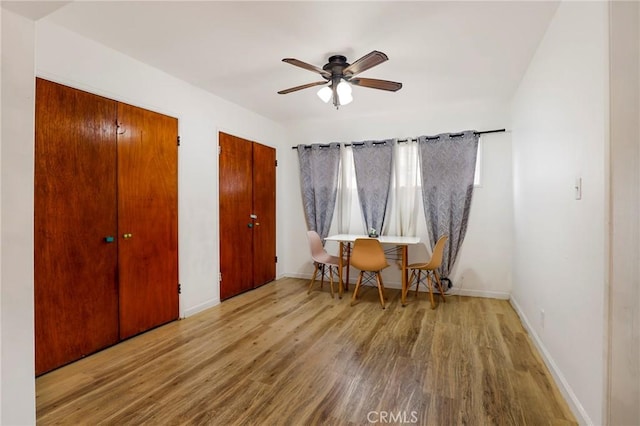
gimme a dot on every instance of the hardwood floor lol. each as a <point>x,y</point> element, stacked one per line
<point>276,355</point>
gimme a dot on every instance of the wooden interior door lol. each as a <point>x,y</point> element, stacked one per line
<point>264,207</point>
<point>75,293</point>
<point>147,219</point>
<point>236,207</point>
<point>247,181</point>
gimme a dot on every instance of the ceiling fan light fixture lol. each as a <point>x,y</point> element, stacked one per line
<point>344,93</point>
<point>343,88</point>
<point>325,94</point>
<point>345,99</point>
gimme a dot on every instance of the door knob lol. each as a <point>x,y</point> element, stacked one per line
<point>250,225</point>
<point>108,239</point>
<point>127,236</point>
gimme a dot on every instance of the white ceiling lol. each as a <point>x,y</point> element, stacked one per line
<point>442,52</point>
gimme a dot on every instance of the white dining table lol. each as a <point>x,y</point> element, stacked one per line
<point>400,242</point>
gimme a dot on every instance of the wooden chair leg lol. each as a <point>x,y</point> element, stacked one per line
<point>409,281</point>
<point>313,279</point>
<point>439,286</point>
<point>418,283</point>
<point>430,285</point>
<point>355,290</point>
<point>331,280</point>
<point>380,288</point>
<point>322,278</point>
<point>384,290</point>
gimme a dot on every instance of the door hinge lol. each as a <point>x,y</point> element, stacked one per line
<point>276,163</point>
<point>179,288</point>
<point>220,276</point>
<point>178,140</point>
<point>276,259</point>
<point>219,150</point>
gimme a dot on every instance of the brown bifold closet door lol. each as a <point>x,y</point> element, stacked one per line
<point>106,223</point>
<point>147,219</point>
<point>75,221</point>
<point>247,181</point>
<point>264,207</point>
<point>236,208</point>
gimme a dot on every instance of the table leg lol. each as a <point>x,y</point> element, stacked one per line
<point>346,284</point>
<point>340,270</point>
<point>404,275</point>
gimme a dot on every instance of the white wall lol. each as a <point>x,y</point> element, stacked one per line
<point>560,132</point>
<point>70,59</point>
<point>484,265</point>
<point>624,293</point>
<point>16,317</point>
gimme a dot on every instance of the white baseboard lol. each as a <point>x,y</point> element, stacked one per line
<point>453,291</point>
<point>479,293</point>
<point>201,307</point>
<point>297,275</point>
<point>566,390</point>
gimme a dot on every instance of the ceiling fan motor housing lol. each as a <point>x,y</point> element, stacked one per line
<point>336,65</point>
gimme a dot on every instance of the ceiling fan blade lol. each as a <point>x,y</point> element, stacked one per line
<point>373,83</point>
<point>307,66</point>
<point>304,86</point>
<point>367,61</point>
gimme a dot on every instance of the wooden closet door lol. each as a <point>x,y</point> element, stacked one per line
<point>264,206</point>
<point>147,219</point>
<point>75,293</point>
<point>236,207</point>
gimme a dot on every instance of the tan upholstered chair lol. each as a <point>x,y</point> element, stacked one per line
<point>368,256</point>
<point>430,270</point>
<point>323,262</point>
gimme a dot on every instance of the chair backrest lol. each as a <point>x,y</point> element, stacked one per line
<point>438,252</point>
<point>315,244</point>
<point>368,255</point>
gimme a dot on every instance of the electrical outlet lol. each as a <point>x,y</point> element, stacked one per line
<point>542,319</point>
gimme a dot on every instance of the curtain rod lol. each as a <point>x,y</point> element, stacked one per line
<point>411,139</point>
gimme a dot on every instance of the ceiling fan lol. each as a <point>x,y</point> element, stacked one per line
<point>339,74</point>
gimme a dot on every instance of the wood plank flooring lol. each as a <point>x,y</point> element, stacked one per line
<point>277,356</point>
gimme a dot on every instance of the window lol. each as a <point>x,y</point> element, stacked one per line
<point>478,175</point>
<point>405,192</point>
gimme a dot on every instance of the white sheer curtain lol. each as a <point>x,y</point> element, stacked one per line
<point>404,207</point>
<point>405,194</point>
<point>346,188</point>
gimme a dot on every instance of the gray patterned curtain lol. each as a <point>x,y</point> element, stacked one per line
<point>447,166</point>
<point>372,161</point>
<point>319,165</point>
